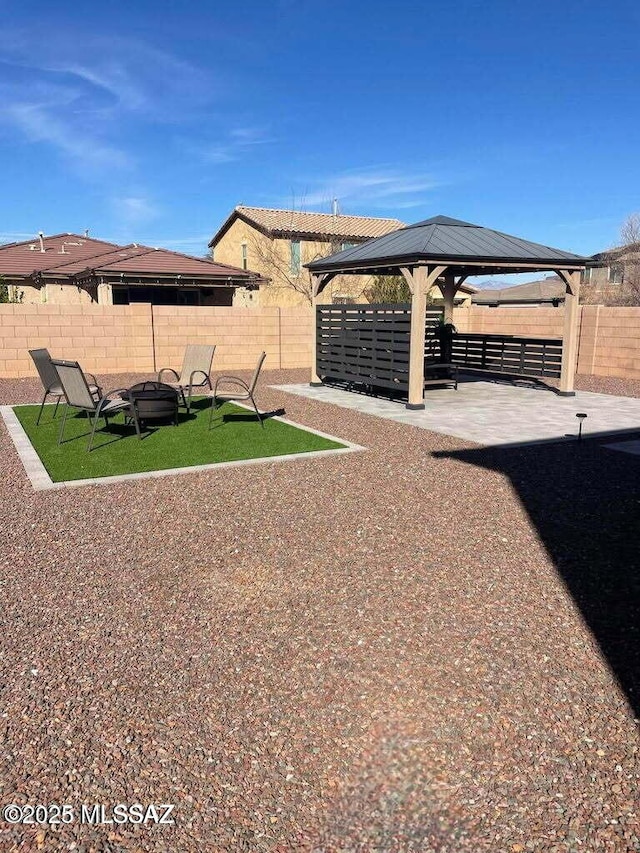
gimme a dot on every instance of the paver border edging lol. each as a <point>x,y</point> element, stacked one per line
<point>41,481</point>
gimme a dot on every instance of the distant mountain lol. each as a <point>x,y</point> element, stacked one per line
<point>500,283</point>
<point>491,283</point>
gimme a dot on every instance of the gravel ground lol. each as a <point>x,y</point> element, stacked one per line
<point>425,646</point>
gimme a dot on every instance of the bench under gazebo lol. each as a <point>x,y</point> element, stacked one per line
<point>443,252</point>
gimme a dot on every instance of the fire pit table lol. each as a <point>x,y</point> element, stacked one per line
<point>152,402</point>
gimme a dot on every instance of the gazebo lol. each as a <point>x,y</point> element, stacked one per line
<point>445,252</point>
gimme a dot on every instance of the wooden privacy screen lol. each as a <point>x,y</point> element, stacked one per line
<point>508,354</point>
<point>367,344</point>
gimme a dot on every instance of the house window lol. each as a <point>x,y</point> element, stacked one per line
<point>243,247</point>
<point>347,246</point>
<point>339,299</point>
<point>295,257</point>
<point>586,276</point>
<point>616,273</point>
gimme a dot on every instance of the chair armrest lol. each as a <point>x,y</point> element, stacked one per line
<point>195,373</point>
<point>92,377</point>
<point>171,370</point>
<point>230,380</point>
<point>109,393</point>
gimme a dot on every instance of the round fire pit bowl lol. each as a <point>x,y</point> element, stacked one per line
<point>153,402</point>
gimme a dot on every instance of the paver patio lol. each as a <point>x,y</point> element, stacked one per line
<point>494,413</point>
<point>424,646</point>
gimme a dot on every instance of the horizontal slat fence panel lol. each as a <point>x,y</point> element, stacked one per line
<point>508,354</point>
<point>431,342</point>
<point>367,344</point>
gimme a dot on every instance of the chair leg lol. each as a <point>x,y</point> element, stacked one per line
<point>213,408</point>
<point>64,420</point>
<point>55,411</point>
<point>93,431</point>
<point>42,406</point>
<point>257,412</point>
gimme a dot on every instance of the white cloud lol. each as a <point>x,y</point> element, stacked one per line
<point>15,236</point>
<point>135,209</point>
<point>250,136</point>
<point>217,154</point>
<point>236,142</point>
<point>394,187</point>
<point>40,121</point>
<point>78,94</point>
<point>197,245</point>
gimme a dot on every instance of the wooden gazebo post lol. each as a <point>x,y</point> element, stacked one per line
<point>420,280</point>
<point>449,290</point>
<point>570,333</point>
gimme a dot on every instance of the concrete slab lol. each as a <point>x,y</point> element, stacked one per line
<point>495,413</point>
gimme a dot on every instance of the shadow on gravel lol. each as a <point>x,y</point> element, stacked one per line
<point>584,500</point>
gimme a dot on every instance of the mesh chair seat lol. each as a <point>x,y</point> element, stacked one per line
<point>57,391</point>
<point>245,392</point>
<point>51,381</point>
<point>112,407</point>
<point>195,372</point>
<point>78,396</point>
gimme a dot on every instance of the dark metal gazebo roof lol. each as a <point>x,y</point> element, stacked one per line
<point>464,248</point>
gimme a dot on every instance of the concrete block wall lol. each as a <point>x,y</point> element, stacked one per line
<point>296,335</point>
<point>240,335</point>
<point>610,342</point>
<point>105,339</point>
<point>524,321</point>
<point>140,338</point>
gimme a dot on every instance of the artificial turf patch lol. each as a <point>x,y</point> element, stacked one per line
<point>235,434</point>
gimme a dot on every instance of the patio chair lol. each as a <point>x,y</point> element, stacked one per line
<point>78,396</point>
<point>51,381</point>
<point>244,392</point>
<point>195,373</point>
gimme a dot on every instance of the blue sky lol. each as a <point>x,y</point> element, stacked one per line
<point>149,122</point>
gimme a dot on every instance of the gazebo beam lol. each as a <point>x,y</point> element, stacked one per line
<point>467,267</point>
<point>420,280</point>
<point>570,332</point>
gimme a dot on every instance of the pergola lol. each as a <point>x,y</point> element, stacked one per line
<point>445,252</point>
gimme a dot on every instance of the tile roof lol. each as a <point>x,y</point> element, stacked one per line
<point>68,255</point>
<point>289,222</point>
<point>144,260</point>
<point>24,258</point>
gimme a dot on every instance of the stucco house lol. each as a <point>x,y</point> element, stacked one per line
<point>74,269</point>
<point>277,243</point>
<point>613,277</point>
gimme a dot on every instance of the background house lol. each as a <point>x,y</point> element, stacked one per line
<point>278,243</point>
<point>70,269</point>
<point>548,291</point>
<point>613,277</point>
